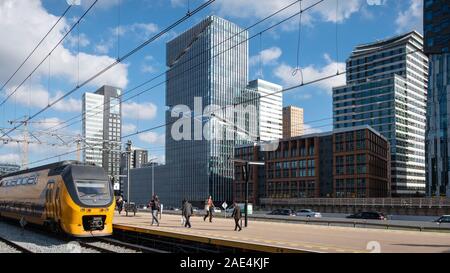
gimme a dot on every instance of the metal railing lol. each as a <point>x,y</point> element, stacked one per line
<point>363,202</point>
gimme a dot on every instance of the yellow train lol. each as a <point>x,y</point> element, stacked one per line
<point>68,196</point>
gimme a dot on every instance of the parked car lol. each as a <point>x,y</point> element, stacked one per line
<point>217,210</point>
<point>443,219</point>
<point>285,212</point>
<point>308,213</point>
<point>370,215</point>
<point>195,209</point>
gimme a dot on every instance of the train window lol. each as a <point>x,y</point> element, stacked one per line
<point>88,188</point>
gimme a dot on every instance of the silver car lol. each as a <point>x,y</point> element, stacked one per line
<point>308,213</point>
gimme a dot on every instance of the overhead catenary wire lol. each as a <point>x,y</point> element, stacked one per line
<point>51,51</point>
<point>284,90</point>
<point>100,106</point>
<point>267,29</point>
<point>298,68</point>
<point>169,123</point>
<point>119,60</point>
<point>36,47</point>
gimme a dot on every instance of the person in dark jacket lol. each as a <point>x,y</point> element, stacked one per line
<point>119,203</point>
<point>237,217</point>
<point>187,213</point>
<point>154,208</point>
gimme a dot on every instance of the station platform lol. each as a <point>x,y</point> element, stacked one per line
<point>277,237</point>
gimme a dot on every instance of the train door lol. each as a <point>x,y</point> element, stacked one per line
<point>49,199</point>
<point>58,202</point>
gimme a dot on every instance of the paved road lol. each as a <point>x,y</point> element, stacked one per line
<point>299,236</point>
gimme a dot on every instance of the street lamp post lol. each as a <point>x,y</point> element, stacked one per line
<point>128,170</point>
<point>246,171</point>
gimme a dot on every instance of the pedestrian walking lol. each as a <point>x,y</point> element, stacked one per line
<point>119,203</point>
<point>237,215</point>
<point>183,219</point>
<point>187,213</point>
<point>154,208</point>
<point>158,206</point>
<point>209,208</point>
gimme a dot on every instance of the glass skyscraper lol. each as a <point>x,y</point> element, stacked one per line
<point>387,89</point>
<point>208,65</point>
<point>437,47</point>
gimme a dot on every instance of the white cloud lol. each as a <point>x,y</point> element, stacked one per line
<point>29,21</point>
<point>152,138</point>
<point>101,4</point>
<point>36,96</point>
<point>308,129</point>
<point>325,11</point>
<point>72,40</point>
<point>10,158</point>
<point>103,46</point>
<point>128,128</point>
<point>140,111</point>
<point>177,3</point>
<point>140,29</point>
<point>266,56</point>
<point>146,68</point>
<point>310,73</point>
<point>47,123</point>
<point>412,18</point>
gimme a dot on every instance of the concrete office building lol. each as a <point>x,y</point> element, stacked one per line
<point>387,89</point>
<point>139,158</point>
<point>203,66</point>
<point>293,122</point>
<point>346,163</point>
<point>102,129</point>
<point>270,109</point>
<point>437,47</point>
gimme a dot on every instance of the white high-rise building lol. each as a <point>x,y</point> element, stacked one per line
<point>102,129</point>
<point>387,89</point>
<point>93,128</point>
<point>270,109</point>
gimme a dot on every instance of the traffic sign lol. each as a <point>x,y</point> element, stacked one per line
<point>224,205</point>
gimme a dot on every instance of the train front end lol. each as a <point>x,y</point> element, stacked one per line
<point>88,204</point>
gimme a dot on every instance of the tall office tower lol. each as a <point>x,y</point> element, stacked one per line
<point>437,47</point>
<point>102,129</point>
<point>293,122</point>
<point>140,157</point>
<point>208,65</point>
<point>270,109</point>
<point>386,89</point>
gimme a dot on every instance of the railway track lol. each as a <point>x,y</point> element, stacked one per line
<point>15,245</point>
<point>67,244</point>
<point>109,245</point>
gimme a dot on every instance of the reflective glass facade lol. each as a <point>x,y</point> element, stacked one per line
<point>437,46</point>
<point>436,24</point>
<point>387,89</point>
<point>208,61</point>
<point>438,158</point>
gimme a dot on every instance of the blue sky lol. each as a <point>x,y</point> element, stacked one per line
<point>273,56</point>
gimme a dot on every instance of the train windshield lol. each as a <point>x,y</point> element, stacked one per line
<point>93,188</point>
